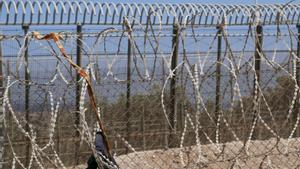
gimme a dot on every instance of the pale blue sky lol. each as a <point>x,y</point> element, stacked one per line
<point>205,1</point>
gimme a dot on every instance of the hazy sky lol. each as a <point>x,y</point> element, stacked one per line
<point>205,1</point>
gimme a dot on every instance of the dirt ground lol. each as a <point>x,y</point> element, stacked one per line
<point>272,153</point>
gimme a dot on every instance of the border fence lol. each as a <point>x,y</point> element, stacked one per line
<point>176,85</point>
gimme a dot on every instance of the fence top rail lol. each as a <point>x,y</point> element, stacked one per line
<point>65,12</point>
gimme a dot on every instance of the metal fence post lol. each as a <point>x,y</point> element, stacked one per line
<point>218,82</point>
<point>258,51</point>
<point>78,90</point>
<point>173,100</point>
<point>298,78</point>
<point>143,128</point>
<point>27,90</point>
<point>257,66</point>
<point>128,91</point>
<point>1,111</point>
<point>165,123</point>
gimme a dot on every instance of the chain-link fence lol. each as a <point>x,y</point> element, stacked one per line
<point>177,96</point>
<point>151,117</point>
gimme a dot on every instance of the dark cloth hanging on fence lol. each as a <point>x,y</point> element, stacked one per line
<point>102,153</point>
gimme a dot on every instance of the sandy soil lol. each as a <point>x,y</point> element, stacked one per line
<point>270,153</point>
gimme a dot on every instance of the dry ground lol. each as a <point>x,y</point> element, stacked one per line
<point>270,153</point>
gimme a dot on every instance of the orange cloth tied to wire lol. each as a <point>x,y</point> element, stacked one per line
<point>56,38</point>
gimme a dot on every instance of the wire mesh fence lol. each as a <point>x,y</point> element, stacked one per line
<point>169,97</point>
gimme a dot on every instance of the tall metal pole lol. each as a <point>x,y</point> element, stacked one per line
<point>27,90</point>
<point>1,111</point>
<point>78,90</point>
<point>143,127</point>
<point>218,81</point>
<point>165,122</point>
<point>257,66</point>
<point>173,101</point>
<point>258,51</point>
<point>298,78</point>
<point>10,121</point>
<point>128,91</point>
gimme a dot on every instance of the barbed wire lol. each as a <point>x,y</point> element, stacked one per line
<point>184,125</point>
